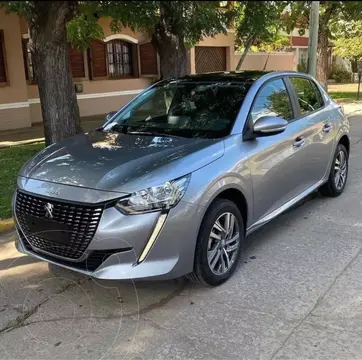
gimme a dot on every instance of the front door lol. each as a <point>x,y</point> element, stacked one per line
<point>276,162</point>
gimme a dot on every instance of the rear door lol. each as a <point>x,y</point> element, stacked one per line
<point>317,129</point>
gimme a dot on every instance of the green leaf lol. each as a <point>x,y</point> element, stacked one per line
<point>82,29</point>
<point>259,21</point>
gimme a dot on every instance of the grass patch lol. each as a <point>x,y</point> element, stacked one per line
<point>11,160</point>
<point>344,95</point>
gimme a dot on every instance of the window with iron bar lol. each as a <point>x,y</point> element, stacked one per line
<point>119,55</point>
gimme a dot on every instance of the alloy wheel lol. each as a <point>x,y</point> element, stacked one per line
<point>340,170</point>
<point>223,245</point>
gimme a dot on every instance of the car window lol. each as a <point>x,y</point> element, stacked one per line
<point>308,95</point>
<point>188,109</point>
<point>272,100</point>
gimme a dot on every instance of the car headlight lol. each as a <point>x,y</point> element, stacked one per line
<point>155,198</point>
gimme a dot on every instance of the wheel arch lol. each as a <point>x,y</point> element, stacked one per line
<point>344,140</point>
<point>236,195</point>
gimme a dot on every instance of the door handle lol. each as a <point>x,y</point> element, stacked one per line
<point>299,141</point>
<point>327,127</point>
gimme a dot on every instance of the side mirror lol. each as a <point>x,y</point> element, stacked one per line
<point>109,115</point>
<point>269,125</point>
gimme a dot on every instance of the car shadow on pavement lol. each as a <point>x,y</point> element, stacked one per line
<point>6,238</point>
<point>271,229</point>
<point>17,261</point>
<point>133,297</point>
<point>62,307</point>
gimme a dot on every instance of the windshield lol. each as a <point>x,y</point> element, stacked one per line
<point>184,109</point>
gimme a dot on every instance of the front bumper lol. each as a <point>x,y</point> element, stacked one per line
<point>119,244</point>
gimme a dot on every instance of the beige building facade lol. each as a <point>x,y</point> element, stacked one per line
<point>274,61</point>
<point>106,76</point>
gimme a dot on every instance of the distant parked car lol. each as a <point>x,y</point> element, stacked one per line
<point>175,180</point>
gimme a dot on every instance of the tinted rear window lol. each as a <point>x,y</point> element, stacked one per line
<point>309,97</point>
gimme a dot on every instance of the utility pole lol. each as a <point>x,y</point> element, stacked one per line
<point>313,38</point>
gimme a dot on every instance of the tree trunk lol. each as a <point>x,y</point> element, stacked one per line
<point>173,57</point>
<point>322,56</point>
<point>243,56</point>
<point>169,40</point>
<point>266,61</point>
<point>51,54</point>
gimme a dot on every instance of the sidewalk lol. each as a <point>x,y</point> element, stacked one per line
<point>36,132</point>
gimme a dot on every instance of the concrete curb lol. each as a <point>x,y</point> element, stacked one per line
<point>6,225</point>
<point>7,144</point>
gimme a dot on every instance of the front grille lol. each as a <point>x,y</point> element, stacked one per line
<point>91,263</point>
<point>81,219</point>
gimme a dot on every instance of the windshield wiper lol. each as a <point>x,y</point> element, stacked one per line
<point>151,133</point>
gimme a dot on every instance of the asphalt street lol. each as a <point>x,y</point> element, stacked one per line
<point>297,294</point>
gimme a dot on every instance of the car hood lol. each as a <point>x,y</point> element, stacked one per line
<point>119,162</point>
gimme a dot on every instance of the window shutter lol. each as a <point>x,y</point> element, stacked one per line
<point>24,44</point>
<point>28,63</point>
<point>77,63</point>
<point>148,57</point>
<point>3,73</point>
<point>135,70</point>
<point>98,59</point>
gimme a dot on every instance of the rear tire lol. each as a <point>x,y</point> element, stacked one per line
<point>219,244</point>
<point>338,174</point>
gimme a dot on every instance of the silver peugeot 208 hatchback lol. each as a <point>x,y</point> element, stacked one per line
<point>172,183</point>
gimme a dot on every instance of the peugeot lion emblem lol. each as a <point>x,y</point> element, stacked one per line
<point>49,210</point>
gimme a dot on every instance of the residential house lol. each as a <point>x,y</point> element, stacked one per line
<point>293,59</point>
<point>106,76</point>
<point>299,45</point>
<point>296,54</point>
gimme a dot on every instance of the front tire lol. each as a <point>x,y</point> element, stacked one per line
<point>219,244</point>
<point>338,175</point>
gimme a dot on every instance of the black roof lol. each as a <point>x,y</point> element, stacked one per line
<point>230,76</point>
